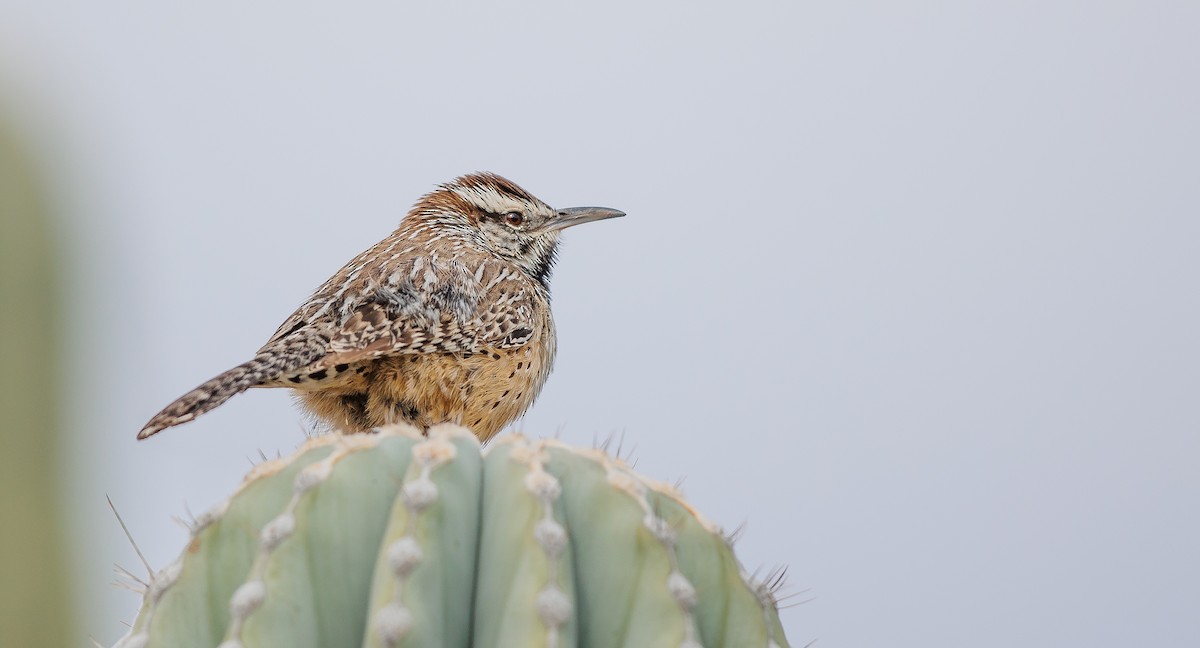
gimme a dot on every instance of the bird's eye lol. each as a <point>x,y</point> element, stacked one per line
<point>514,218</point>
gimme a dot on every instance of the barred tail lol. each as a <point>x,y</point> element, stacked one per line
<point>286,355</point>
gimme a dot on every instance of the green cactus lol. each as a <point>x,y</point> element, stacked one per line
<point>396,539</point>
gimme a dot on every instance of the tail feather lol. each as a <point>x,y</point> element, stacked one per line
<point>202,399</point>
<point>281,357</point>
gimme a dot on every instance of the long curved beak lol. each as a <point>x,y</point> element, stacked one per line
<point>573,216</point>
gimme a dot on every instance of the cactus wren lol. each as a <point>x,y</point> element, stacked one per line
<point>446,319</point>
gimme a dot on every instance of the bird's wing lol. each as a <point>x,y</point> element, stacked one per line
<point>447,309</point>
<point>322,308</point>
<point>429,308</point>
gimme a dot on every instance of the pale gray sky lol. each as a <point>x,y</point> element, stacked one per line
<point>910,289</point>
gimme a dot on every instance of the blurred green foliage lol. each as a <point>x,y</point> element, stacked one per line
<point>35,605</point>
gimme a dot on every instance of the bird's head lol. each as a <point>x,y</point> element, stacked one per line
<point>504,219</point>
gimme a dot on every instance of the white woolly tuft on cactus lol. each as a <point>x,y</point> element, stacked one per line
<point>393,622</point>
<point>419,494</point>
<point>277,530</point>
<point>553,607</point>
<point>404,555</point>
<point>551,536</point>
<point>247,598</point>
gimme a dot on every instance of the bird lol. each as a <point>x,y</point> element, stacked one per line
<point>447,319</point>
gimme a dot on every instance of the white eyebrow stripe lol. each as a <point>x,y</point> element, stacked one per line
<point>489,199</point>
